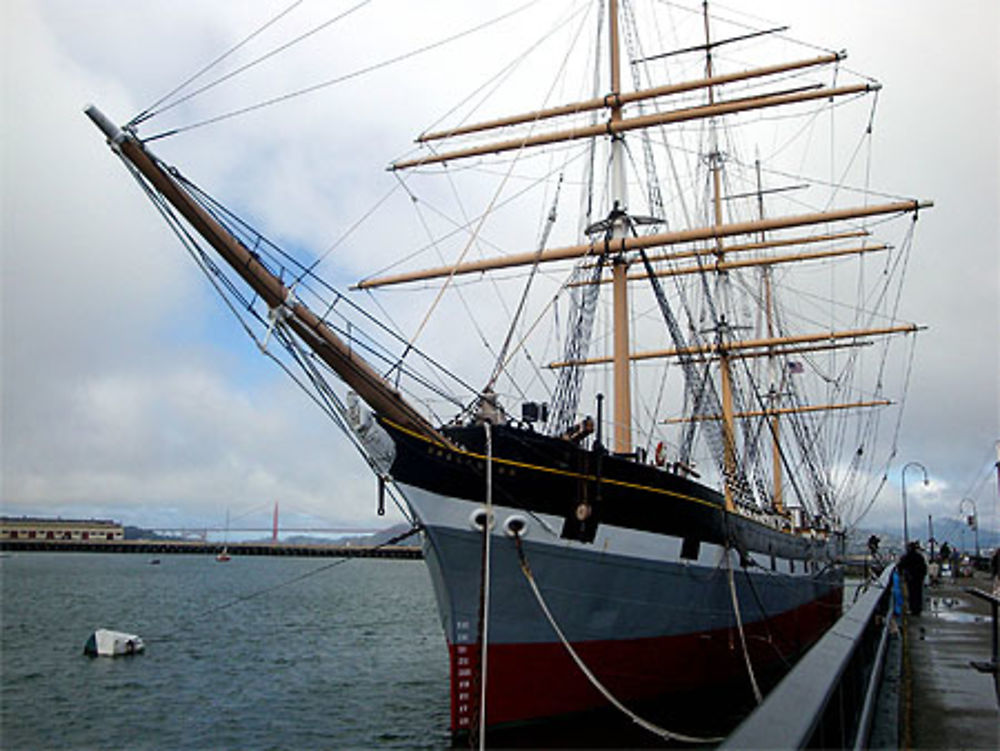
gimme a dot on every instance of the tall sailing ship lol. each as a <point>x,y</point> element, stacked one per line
<point>741,320</point>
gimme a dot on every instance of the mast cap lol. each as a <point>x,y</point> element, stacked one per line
<point>112,131</point>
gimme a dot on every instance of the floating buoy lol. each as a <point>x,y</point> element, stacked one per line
<point>105,643</point>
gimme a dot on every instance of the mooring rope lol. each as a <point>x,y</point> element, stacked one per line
<point>641,722</point>
<point>487,534</point>
<point>257,593</point>
<point>739,625</point>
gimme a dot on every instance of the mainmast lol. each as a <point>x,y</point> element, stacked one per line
<point>619,265</point>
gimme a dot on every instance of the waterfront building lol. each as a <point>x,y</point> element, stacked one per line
<point>80,530</point>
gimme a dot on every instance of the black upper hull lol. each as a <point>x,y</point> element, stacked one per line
<point>547,475</point>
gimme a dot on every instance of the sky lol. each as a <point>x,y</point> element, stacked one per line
<point>125,391</point>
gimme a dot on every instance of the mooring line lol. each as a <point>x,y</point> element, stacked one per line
<point>485,589</point>
<point>244,598</point>
<point>641,722</point>
<point>739,625</point>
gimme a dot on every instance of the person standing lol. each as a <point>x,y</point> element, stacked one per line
<point>914,568</point>
<point>995,571</point>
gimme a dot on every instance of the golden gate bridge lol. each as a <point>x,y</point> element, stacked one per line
<point>202,531</point>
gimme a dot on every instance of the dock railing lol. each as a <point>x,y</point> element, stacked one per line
<point>828,699</point>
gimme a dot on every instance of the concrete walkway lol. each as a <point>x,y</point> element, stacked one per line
<point>946,703</point>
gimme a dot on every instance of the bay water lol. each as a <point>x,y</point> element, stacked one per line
<point>255,653</point>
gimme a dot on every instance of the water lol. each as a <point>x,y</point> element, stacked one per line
<point>352,657</point>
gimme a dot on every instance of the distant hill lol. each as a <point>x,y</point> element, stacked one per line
<point>953,531</point>
<point>139,533</point>
<point>380,538</point>
<point>375,538</point>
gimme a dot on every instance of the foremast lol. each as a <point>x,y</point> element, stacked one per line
<point>725,368</point>
<point>621,370</point>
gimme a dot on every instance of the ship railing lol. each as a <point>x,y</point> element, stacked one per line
<point>828,699</point>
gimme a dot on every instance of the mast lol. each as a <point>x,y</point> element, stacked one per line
<point>725,371</point>
<point>774,395</point>
<point>619,269</point>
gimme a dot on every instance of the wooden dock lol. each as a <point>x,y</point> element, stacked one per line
<point>188,547</point>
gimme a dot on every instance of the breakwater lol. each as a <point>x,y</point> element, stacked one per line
<point>197,547</point>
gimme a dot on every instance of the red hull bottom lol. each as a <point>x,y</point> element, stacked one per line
<point>528,682</point>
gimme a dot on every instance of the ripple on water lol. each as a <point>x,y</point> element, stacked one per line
<point>317,664</point>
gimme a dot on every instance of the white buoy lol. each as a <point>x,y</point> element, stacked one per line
<point>105,643</point>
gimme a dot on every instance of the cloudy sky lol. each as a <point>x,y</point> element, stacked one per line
<point>125,393</point>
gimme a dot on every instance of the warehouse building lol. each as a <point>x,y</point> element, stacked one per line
<point>78,530</point>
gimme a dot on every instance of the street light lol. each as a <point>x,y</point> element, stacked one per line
<point>973,520</point>
<point>906,525</point>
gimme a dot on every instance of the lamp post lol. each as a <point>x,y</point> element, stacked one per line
<point>973,520</point>
<point>906,525</point>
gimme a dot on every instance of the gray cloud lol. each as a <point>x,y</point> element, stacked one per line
<point>121,398</point>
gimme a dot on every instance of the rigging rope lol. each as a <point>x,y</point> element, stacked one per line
<point>310,269</point>
<point>346,77</point>
<point>501,357</point>
<point>149,111</point>
<point>497,79</point>
<point>484,599</point>
<point>288,582</point>
<point>321,393</point>
<point>566,398</point>
<point>476,233</point>
<point>228,219</point>
<point>251,64</point>
<point>244,598</point>
<point>698,386</point>
<point>432,242</point>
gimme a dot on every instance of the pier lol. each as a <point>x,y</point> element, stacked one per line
<point>198,547</point>
<point>881,678</point>
<point>946,702</point>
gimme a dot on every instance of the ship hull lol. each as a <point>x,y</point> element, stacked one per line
<point>649,612</point>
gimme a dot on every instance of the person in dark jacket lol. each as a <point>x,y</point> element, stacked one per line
<point>914,568</point>
<point>995,572</point>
